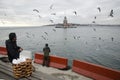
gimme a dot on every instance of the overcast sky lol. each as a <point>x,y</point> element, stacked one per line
<point>40,12</point>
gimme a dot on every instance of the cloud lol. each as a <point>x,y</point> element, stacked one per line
<point>21,12</point>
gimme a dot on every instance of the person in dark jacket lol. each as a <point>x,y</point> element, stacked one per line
<point>46,59</point>
<point>13,50</point>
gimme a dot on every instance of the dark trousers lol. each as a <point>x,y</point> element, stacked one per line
<point>16,56</point>
<point>46,61</point>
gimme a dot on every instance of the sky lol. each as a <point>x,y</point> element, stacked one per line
<point>43,12</point>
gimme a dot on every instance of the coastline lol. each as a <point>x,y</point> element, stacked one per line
<point>60,24</point>
<point>73,24</point>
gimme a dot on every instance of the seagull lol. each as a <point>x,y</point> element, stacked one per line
<point>51,6</point>
<point>39,16</point>
<point>28,36</point>
<point>75,12</point>
<point>74,37</point>
<point>27,33</point>
<point>33,35</point>
<point>99,38</point>
<point>36,10</point>
<point>93,22</point>
<point>46,33</point>
<point>65,38</point>
<point>111,13</point>
<point>53,13</point>
<point>43,37</point>
<point>54,30</point>
<point>51,21</point>
<point>99,9</point>
<point>112,38</point>
<point>94,29</point>
<point>78,37</point>
<point>95,17</point>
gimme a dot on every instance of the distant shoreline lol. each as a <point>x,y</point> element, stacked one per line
<point>77,25</point>
<point>85,24</point>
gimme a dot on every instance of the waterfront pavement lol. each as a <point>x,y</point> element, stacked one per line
<point>41,73</point>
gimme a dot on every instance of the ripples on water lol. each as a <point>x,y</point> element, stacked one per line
<point>99,45</point>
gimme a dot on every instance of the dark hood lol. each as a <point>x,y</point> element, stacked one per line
<point>12,35</point>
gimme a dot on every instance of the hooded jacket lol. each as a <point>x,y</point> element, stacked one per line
<point>12,48</point>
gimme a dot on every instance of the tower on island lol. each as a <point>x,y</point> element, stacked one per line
<point>65,22</point>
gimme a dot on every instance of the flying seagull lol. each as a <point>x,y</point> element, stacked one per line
<point>95,17</point>
<point>51,21</point>
<point>99,9</point>
<point>112,38</point>
<point>46,33</point>
<point>39,16</point>
<point>36,10</point>
<point>93,21</point>
<point>51,6</point>
<point>75,12</point>
<point>53,13</point>
<point>54,30</point>
<point>111,13</point>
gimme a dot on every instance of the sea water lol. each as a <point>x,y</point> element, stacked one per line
<point>96,44</point>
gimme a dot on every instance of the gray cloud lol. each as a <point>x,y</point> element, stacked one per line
<point>21,11</point>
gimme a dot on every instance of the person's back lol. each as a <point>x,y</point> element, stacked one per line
<point>46,51</point>
<point>11,50</point>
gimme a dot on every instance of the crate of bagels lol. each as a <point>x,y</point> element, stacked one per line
<point>22,69</point>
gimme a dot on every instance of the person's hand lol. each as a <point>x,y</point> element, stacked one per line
<point>21,49</point>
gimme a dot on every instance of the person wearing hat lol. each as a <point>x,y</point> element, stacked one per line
<point>13,50</point>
